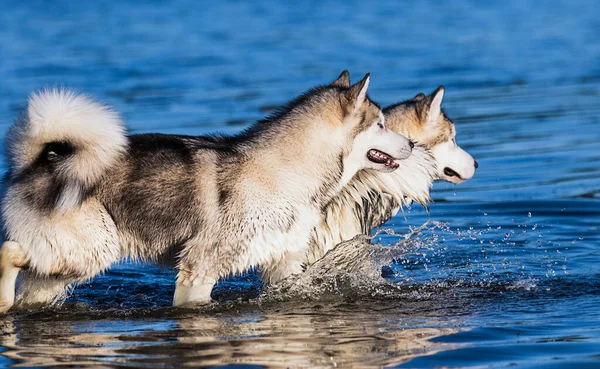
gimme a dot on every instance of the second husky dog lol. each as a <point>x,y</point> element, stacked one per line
<point>371,198</point>
<point>81,195</point>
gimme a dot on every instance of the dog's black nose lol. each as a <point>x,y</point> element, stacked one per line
<point>411,144</point>
<point>476,164</point>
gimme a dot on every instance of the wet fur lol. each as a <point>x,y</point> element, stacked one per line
<point>372,198</point>
<point>211,206</point>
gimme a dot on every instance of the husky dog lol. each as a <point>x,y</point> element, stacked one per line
<point>81,195</point>
<point>371,198</point>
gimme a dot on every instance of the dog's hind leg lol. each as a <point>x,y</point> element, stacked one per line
<point>34,291</point>
<point>12,260</point>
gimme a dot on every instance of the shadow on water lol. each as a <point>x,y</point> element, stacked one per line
<point>503,271</point>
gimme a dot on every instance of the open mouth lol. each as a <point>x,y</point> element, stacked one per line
<point>379,157</point>
<point>450,173</point>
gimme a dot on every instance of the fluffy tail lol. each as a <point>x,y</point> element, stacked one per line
<point>68,137</point>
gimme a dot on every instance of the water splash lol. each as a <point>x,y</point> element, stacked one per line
<point>354,268</point>
<point>430,259</point>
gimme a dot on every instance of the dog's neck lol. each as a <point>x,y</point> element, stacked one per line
<point>301,160</point>
<point>371,198</point>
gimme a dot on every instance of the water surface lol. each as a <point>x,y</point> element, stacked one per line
<point>505,269</point>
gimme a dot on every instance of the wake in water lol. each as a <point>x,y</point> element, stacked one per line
<point>431,259</point>
<point>352,268</point>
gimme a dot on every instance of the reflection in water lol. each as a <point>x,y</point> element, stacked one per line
<point>308,337</point>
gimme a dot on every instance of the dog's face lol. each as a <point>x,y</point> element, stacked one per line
<point>371,144</point>
<point>368,143</point>
<point>422,120</point>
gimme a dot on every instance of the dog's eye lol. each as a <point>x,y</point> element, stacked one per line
<point>380,125</point>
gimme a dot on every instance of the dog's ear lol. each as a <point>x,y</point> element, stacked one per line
<point>357,94</point>
<point>435,104</point>
<point>343,80</point>
<point>418,97</point>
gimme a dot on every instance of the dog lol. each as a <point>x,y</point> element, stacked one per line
<point>81,195</point>
<point>371,198</point>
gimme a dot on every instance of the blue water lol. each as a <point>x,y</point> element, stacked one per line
<point>506,269</point>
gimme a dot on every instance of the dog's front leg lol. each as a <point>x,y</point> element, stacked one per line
<point>34,291</point>
<point>192,289</point>
<point>12,260</point>
<point>291,264</point>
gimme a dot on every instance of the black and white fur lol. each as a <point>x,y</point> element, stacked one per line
<point>81,195</point>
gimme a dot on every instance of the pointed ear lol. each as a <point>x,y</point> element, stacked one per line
<point>357,94</point>
<point>343,80</point>
<point>418,97</point>
<point>435,107</point>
